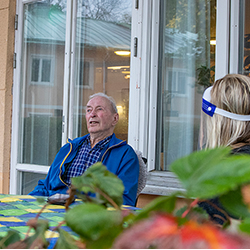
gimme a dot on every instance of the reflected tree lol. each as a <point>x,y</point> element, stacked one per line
<point>201,21</point>
<point>105,10</point>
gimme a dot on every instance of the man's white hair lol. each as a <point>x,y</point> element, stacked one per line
<point>111,100</point>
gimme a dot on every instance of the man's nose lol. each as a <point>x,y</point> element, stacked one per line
<point>93,113</point>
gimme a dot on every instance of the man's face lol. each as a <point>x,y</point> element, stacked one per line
<point>99,116</point>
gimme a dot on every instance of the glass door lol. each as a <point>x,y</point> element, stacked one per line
<point>186,69</point>
<point>69,50</point>
<point>101,61</point>
<point>41,88</point>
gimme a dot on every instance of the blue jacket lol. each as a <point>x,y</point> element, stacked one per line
<point>117,156</point>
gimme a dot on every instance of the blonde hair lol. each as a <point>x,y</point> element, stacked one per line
<point>230,93</point>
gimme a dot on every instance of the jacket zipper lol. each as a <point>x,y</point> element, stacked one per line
<point>110,148</point>
<point>63,162</point>
<point>70,152</point>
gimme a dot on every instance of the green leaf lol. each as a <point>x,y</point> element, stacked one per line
<point>105,241</point>
<point>128,218</point>
<point>93,222</point>
<point>10,238</point>
<point>112,186</point>
<point>180,211</point>
<point>162,204</point>
<point>83,183</point>
<point>65,240</point>
<point>245,226</point>
<point>209,173</point>
<point>233,203</point>
<point>98,179</point>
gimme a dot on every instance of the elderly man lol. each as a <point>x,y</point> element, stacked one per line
<point>100,144</point>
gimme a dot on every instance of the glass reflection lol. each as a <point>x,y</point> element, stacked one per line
<point>186,68</point>
<point>102,29</point>
<point>244,55</point>
<point>41,91</point>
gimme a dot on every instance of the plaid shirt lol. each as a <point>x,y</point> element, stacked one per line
<point>85,157</point>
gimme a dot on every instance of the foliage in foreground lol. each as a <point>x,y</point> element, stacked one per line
<point>101,223</point>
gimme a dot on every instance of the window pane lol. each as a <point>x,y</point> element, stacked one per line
<point>41,104</point>
<point>84,73</point>
<point>102,29</point>
<point>29,181</point>
<point>46,70</point>
<point>35,70</point>
<point>186,68</point>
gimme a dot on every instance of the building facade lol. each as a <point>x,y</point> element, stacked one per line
<point>155,57</point>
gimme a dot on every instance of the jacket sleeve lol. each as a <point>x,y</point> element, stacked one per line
<point>52,183</point>
<point>124,163</point>
<point>42,187</point>
<point>129,174</point>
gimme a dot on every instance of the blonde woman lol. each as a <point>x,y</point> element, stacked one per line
<point>225,122</point>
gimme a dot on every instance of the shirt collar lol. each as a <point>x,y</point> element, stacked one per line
<point>101,144</point>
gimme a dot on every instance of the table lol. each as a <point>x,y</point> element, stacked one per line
<point>16,210</point>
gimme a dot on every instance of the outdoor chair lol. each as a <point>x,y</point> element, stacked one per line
<point>142,173</point>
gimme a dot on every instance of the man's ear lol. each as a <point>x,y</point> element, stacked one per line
<point>115,119</point>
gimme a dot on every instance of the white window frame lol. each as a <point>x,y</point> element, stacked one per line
<point>176,91</point>
<point>90,84</point>
<point>17,168</point>
<point>14,180</point>
<point>39,114</point>
<point>143,95</point>
<point>139,92</point>
<point>52,69</point>
<point>222,38</point>
<point>143,86</point>
<point>227,38</point>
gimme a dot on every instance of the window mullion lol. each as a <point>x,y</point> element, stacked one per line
<point>72,70</point>
<point>135,74</point>
<point>153,87</point>
<point>222,39</point>
<point>16,99</point>
<point>234,37</point>
<point>140,77</point>
<point>40,71</point>
<point>67,66</point>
